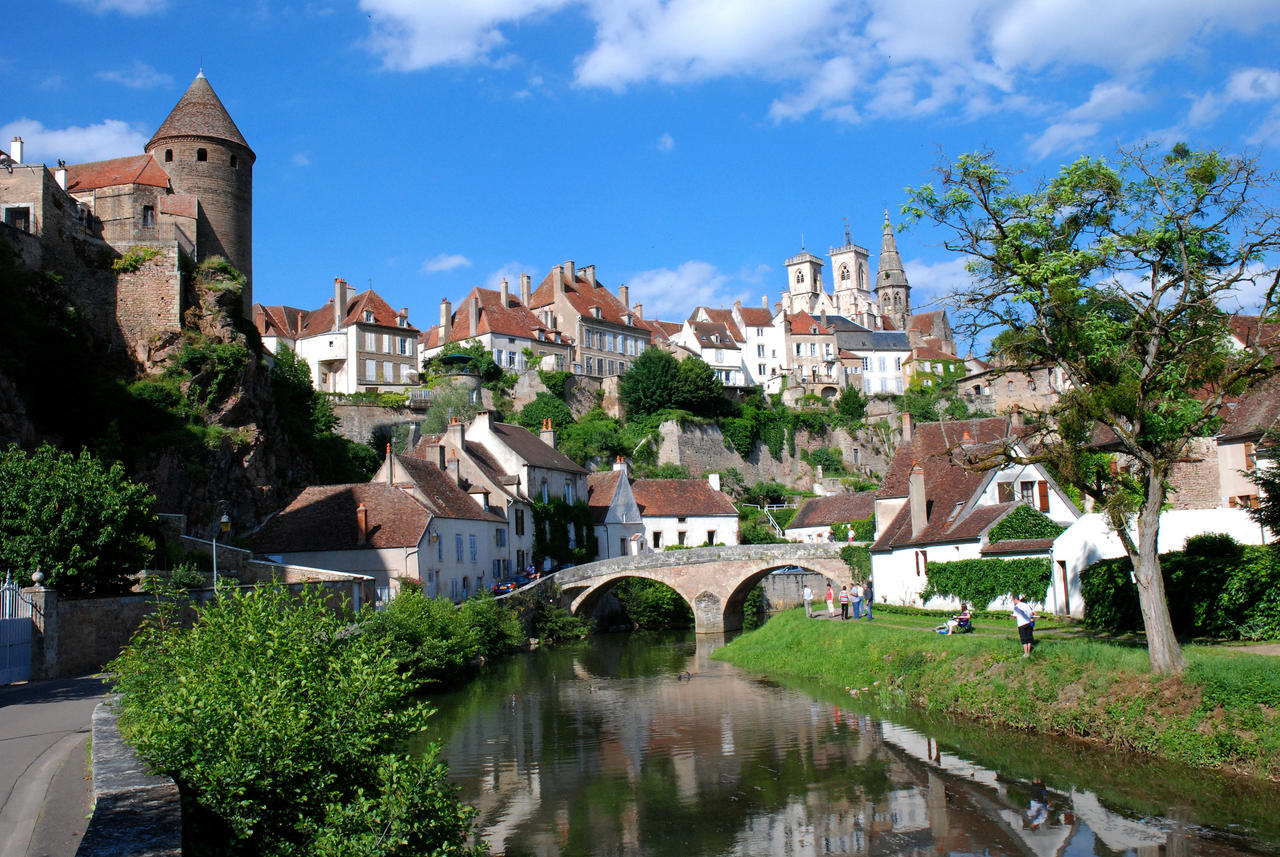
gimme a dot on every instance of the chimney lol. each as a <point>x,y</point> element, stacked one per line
<point>917,500</point>
<point>473,310</point>
<point>485,418</point>
<point>505,291</point>
<point>391,467</point>
<point>15,150</point>
<point>557,281</point>
<point>906,427</point>
<point>60,176</point>
<point>456,435</point>
<point>589,271</point>
<point>1015,418</point>
<point>764,301</point>
<point>446,320</point>
<point>824,318</point>
<point>621,465</point>
<point>548,433</point>
<point>526,289</point>
<point>624,294</point>
<point>713,479</point>
<point>453,466</point>
<point>570,272</point>
<point>638,309</point>
<point>362,524</point>
<point>339,302</point>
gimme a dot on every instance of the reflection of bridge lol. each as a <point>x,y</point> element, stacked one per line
<point>715,581</point>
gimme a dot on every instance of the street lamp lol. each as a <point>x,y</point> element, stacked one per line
<point>224,526</point>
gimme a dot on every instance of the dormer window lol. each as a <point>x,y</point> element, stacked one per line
<point>368,316</point>
<point>595,311</point>
<point>402,321</point>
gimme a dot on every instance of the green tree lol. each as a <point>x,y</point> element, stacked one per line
<point>79,521</point>
<point>449,400</point>
<point>291,730</point>
<point>698,390</point>
<point>1117,272</point>
<point>650,384</point>
<point>545,406</point>
<point>596,437</point>
<point>851,404</point>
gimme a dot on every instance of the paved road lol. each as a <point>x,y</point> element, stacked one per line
<point>44,779</point>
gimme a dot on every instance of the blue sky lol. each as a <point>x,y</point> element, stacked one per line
<point>685,147</point>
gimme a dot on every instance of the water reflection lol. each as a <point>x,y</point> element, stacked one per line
<point>642,746</point>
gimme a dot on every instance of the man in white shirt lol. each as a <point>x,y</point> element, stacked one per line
<point>807,594</point>
<point>1025,617</point>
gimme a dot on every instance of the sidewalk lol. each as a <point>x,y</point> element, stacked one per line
<point>45,793</point>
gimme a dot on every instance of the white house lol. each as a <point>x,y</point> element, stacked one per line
<point>619,526</point>
<point>931,509</point>
<point>813,520</point>
<point>689,512</point>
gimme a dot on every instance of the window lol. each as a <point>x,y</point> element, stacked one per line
<point>370,341</point>
<point>19,217</point>
<point>680,536</point>
<point>386,343</point>
<point>497,569</point>
<point>657,540</point>
<point>719,355</point>
<point>520,561</point>
<point>866,364</point>
<point>546,495</point>
<point>613,342</point>
<point>844,272</point>
<point>590,366</point>
<point>568,491</point>
<point>799,279</point>
<point>148,216</point>
<point>826,350</point>
<point>813,349</point>
<point>202,155</point>
<point>388,371</point>
<point>439,547</point>
<point>1027,492</point>
<point>897,363</point>
<point>368,316</point>
<point>882,364</point>
<point>759,368</point>
<point>798,351</point>
<point>520,521</point>
<point>168,155</point>
<point>500,537</point>
<point>370,370</point>
<point>1010,388</point>
<point>497,356</point>
<point>404,345</point>
<point>458,542</point>
<point>511,359</point>
<point>884,385</point>
<point>472,539</point>
<point>401,321</point>
<point>235,162</point>
<point>611,367</point>
<point>759,350</point>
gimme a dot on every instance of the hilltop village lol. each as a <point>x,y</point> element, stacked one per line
<point>486,500</point>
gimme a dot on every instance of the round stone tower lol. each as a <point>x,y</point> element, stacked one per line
<point>205,155</point>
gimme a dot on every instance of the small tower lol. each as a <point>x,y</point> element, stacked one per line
<point>893,293</point>
<point>204,154</point>
<point>804,276</point>
<point>852,291</point>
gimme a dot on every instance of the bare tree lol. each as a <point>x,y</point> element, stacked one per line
<point>1123,273</point>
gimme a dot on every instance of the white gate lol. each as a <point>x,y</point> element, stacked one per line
<point>15,633</point>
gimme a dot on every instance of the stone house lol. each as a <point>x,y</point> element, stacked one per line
<point>930,508</point>
<point>505,326</point>
<point>815,517</point>
<point>688,512</point>
<point>718,344</point>
<point>353,343</point>
<point>619,525</point>
<point>606,332</point>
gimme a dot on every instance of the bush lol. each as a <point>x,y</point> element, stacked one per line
<point>858,558</point>
<point>288,730</point>
<point>865,530</point>
<point>981,581</point>
<point>651,605</point>
<point>555,382</point>
<point>491,627</point>
<point>425,636</point>
<point>545,406</point>
<point>1024,522</point>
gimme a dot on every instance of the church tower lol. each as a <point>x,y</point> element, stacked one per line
<point>852,290</point>
<point>892,290</point>
<point>804,274</point>
<point>204,154</point>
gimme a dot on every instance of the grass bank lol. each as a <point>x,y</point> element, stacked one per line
<point>1224,712</point>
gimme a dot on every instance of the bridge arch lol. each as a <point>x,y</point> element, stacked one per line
<point>714,581</point>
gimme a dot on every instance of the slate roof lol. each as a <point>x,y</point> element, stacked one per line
<point>515,319</point>
<point>948,487</point>
<point>199,113</point>
<point>600,490</point>
<point>683,498</point>
<point>323,518</point>
<point>134,169</point>
<point>837,508</point>
<point>530,447</point>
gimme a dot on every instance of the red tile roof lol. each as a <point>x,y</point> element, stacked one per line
<point>135,169</point>
<point>323,518</point>
<point>199,113</point>
<point>582,296</point>
<point>930,351</point>
<point>661,329</point>
<point>600,490</point>
<point>838,508</point>
<point>515,319</point>
<point>317,321</point>
<point>444,497</point>
<point>803,324</point>
<point>713,334</point>
<point>1019,546</point>
<point>684,498</point>
<point>724,317</point>
<point>756,316</point>
<point>1254,413</point>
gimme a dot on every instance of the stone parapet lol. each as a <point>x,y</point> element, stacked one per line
<point>135,813</point>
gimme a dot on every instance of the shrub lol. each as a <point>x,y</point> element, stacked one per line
<point>555,382</point>
<point>651,605</point>
<point>981,581</point>
<point>1025,522</point>
<point>134,258</point>
<point>858,558</point>
<point>491,627</point>
<point>288,730</point>
<point>426,637</point>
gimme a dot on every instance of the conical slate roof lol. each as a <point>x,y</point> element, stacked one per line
<point>199,113</point>
<point>891,272</point>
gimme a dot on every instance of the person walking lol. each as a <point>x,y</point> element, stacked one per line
<point>845,598</point>
<point>831,602</point>
<point>807,595</point>
<point>1026,618</point>
<point>869,596</point>
<point>856,594</point>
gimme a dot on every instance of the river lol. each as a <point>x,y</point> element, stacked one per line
<point>637,744</point>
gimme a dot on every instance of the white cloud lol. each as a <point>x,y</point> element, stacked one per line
<point>110,138</point>
<point>510,271</point>
<point>1063,137</point>
<point>445,262</point>
<point>139,75</point>
<point>932,282</point>
<point>1245,85</point>
<point>301,159</point>
<point>410,35</point>
<point>666,143</point>
<point>671,294</point>
<point>128,7</point>
<point>1107,101</point>
<point>832,85</point>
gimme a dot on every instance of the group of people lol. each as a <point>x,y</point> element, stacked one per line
<point>859,596</point>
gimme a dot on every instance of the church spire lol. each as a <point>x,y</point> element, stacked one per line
<point>893,292</point>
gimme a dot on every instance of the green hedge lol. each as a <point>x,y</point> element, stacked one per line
<point>1025,522</point>
<point>981,581</point>
<point>1215,588</point>
<point>865,530</point>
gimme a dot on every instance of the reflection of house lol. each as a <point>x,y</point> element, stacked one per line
<point>503,325</point>
<point>354,342</point>
<point>813,520</point>
<point>619,525</point>
<point>929,508</point>
<point>688,512</point>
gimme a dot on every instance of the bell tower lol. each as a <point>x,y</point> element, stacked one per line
<point>893,292</point>
<point>205,155</point>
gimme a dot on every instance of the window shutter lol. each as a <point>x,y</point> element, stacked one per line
<point>1044,496</point>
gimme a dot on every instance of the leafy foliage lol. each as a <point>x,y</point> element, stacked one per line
<point>981,581</point>
<point>1114,272</point>
<point>651,605</point>
<point>851,405</point>
<point>864,530</point>
<point>858,558</point>
<point>830,459</point>
<point>78,520</point>
<point>134,258</point>
<point>556,382</point>
<point>308,420</point>
<point>545,406</point>
<point>329,776</point>
<point>1025,522</point>
<point>563,531</point>
<point>449,400</point>
<point>657,381</point>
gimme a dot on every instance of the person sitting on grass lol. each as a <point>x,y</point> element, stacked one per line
<point>961,620</point>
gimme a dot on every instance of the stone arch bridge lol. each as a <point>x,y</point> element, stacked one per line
<point>715,581</point>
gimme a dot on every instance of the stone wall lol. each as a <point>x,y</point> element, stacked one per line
<point>358,422</point>
<point>148,302</point>
<point>1196,482</point>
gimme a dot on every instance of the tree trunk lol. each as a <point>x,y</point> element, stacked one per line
<point>1162,645</point>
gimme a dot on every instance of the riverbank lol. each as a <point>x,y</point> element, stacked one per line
<point>1224,712</point>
